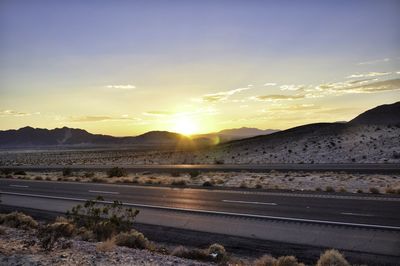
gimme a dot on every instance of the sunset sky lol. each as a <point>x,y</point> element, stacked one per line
<point>127,67</point>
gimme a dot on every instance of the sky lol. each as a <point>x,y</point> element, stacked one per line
<point>127,67</point>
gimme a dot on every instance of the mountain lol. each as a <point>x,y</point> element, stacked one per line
<point>246,132</point>
<point>371,137</point>
<point>388,114</point>
<point>33,137</point>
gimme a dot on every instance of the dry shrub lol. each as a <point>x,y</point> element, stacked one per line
<point>49,234</point>
<point>218,252</point>
<point>194,254</point>
<point>178,183</point>
<point>116,172</point>
<point>374,190</point>
<point>332,257</point>
<point>266,260</point>
<point>288,261</point>
<point>18,220</point>
<point>106,246</point>
<point>133,239</point>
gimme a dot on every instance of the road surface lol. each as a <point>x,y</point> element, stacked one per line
<point>355,222</point>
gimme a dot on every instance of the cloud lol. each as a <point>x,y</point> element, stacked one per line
<point>270,84</point>
<point>370,74</point>
<point>361,86</point>
<point>277,97</point>
<point>221,96</point>
<point>122,87</point>
<point>292,87</point>
<point>95,118</point>
<point>4,113</point>
<point>384,60</point>
<point>157,113</point>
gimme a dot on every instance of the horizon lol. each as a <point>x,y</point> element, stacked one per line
<point>195,67</point>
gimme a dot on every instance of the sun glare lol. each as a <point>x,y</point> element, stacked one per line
<point>185,125</point>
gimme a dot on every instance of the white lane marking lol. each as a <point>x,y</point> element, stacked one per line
<point>18,186</point>
<point>250,202</point>
<point>216,212</point>
<point>357,214</point>
<point>103,192</point>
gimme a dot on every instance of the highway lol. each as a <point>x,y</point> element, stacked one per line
<point>206,210</point>
<point>354,167</point>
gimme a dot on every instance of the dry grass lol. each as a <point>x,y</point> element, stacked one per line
<point>133,239</point>
<point>332,257</point>
<point>288,261</point>
<point>18,220</point>
<point>106,246</point>
<point>266,260</point>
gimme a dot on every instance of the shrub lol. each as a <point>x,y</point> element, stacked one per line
<point>179,182</point>
<point>218,161</point>
<point>266,260</point>
<point>18,220</point>
<point>288,261</point>
<point>38,178</point>
<point>391,190</point>
<point>116,172</point>
<point>217,252</point>
<point>133,239</point>
<point>258,186</point>
<point>175,174</point>
<point>194,254</point>
<point>5,171</point>
<point>332,257</point>
<point>329,189</point>
<point>106,246</point>
<point>103,220</point>
<point>20,172</point>
<point>374,190</point>
<point>88,174</point>
<point>49,234</point>
<point>67,172</point>
<point>194,174</point>
<point>243,185</point>
<point>360,191</point>
<point>207,184</point>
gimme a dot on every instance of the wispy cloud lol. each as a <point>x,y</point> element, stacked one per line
<point>95,118</point>
<point>372,62</point>
<point>277,97</point>
<point>292,87</point>
<point>122,87</point>
<point>157,113</point>
<point>362,86</point>
<point>16,113</point>
<point>221,96</point>
<point>270,84</point>
<point>369,74</point>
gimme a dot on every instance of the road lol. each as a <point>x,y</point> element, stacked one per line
<point>321,218</point>
<point>361,168</point>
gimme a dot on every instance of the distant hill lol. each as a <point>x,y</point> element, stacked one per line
<point>227,135</point>
<point>382,115</point>
<point>371,137</point>
<point>33,137</point>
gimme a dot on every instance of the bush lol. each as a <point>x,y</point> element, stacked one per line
<point>133,239</point>
<point>116,172</point>
<point>243,185</point>
<point>67,172</point>
<point>106,246</point>
<point>49,234</point>
<point>332,257</point>
<point>207,184</point>
<point>374,190</point>
<point>38,178</point>
<point>217,252</point>
<point>266,260</point>
<point>178,183</point>
<point>103,220</point>
<point>219,161</point>
<point>20,172</point>
<point>360,191</point>
<point>18,220</point>
<point>329,189</point>
<point>288,261</point>
<point>5,171</point>
<point>194,254</point>
<point>88,174</point>
<point>194,174</point>
<point>97,180</point>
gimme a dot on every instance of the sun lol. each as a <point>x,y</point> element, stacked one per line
<point>185,125</point>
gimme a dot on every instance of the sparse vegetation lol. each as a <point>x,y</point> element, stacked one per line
<point>288,261</point>
<point>67,172</point>
<point>207,184</point>
<point>374,190</point>
<point>18,220</point>
<point>194,174</point>
<point>106,246</point>
<point>266,260</point>
<point>116,172</point>
<point>133,239</point>
<point>50,233</point>
<point>332,257</point>
<point>20,172</point>
<point>215,252</point>
<point>329,189</point>
<point>179,182</point>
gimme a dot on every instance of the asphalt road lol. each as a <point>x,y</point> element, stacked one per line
<point>320,208</point>
<point>361,168</point>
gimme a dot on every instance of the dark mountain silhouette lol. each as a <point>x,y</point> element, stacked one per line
<point>246,132</point>
<point>387,114</point>
<point>31,137</point>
